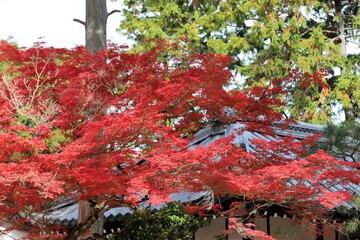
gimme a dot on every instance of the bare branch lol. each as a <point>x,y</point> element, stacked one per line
<point>356,43</point>
<point>329,31</point>
<point>79,21</point>
<point>324,31</point>
<point>113,11</point>
<point>353,36</point>
<point>306,32</point>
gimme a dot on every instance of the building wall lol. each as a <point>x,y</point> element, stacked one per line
<point>216,227</point>
<point>280,229</point>
<point>283,228</point>
<point>354,235</point>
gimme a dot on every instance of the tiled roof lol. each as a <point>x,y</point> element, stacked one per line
<point>300,131</point>
<point>210,134</point>
<point>66,214</point>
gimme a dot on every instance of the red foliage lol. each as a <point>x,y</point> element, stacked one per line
<point>79,125</point>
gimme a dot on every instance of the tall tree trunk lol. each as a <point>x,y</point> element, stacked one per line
<point>85,228</point>
<point>86,212</point>
<point>95,25</point>
<point>349,111</point>
<point>95,41</point>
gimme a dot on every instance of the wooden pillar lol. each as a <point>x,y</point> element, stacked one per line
<point>226,227</point>
<point>268,225</point>
<point>336,235</point>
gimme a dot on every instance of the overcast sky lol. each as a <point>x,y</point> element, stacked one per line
<point>28,20</point>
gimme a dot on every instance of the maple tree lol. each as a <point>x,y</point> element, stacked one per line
<point>114,128</point>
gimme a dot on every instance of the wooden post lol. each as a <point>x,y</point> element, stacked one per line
<point>268,225</point>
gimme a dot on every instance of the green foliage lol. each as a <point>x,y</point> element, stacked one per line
<point>57,139</point>
<point>3,67</point>
<point>354,223</point>
<point>220,237</point>
<point>347,88</point>
<point>342,141</point>
<point>25,121</point>
<point>170,222</point>
<point>267,39</point>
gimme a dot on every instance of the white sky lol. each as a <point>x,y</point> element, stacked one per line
<point>28,20</point>
<point>52,20</point>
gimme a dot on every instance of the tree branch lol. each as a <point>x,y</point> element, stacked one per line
<point>113,11</point>
<point>79,21</point>
<point>352,36</point>
<point>329,31</point>
<point>306,32</point>
<point>358,44</point>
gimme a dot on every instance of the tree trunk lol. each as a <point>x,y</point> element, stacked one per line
<point>93,219</point>
<point>85,211</point>
<point>95,25</point>
<point>95,41</point>
<point>350,110</point>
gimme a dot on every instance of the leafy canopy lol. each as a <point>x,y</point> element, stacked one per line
<point>114,128</point>
<point>267,40</point>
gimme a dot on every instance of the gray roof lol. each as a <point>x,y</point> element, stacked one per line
<point>210,134</point>
<point>299,131</point>
<point>67,213</point>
